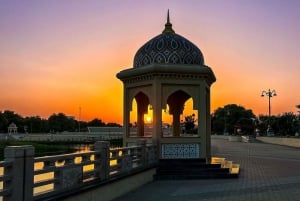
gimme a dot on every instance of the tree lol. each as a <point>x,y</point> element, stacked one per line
<point>112,124</point>
<point>35,124</point>
<point>284,124</point>
<point>55,123</point>
<point>298,107</point>
<point>60,122</point>
<point>9,117</point>
<point>189,123</point>
<point>95,123</point>
<point>289,120</point>
<point>231,118</point>
<point>3,123</point>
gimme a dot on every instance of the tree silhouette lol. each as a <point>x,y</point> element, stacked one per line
<point>96,122</point>
<point>189,123</point>
<point>35,125</point>
<point>55,123</point>
<point>232,117</point>
<point>60,122</point>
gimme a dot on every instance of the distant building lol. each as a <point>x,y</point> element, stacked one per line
<point>12,128</point>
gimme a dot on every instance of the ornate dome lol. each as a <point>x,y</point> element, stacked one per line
<point>168,48</point>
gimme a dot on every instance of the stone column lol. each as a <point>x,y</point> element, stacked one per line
<point>202,116</point>
<point>22,172</point>
<point>208,123</point>
<point>102,164</point>
<point>142,144</point>
<point>176,109</point>
<point>140,121</point>
<point>126,118</point>
<point>157,116</point>
<point>176,122</point>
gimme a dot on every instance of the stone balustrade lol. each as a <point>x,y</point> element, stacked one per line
<point>25,177</point>
<point>64,137</point>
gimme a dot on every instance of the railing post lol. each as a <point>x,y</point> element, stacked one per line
<point>29,173</point>
<point>143,153</point>
<point>22,172</point>
<point>126,163</point>
<point>102,165</point>
<point>152,154</point>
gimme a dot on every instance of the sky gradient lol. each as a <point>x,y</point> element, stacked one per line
<point>62,55</point>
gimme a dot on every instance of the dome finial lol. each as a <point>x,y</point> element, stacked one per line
<point>168,25</point>
<point>168,18</point>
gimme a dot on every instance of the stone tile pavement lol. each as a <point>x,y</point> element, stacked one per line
<point>268,173</point>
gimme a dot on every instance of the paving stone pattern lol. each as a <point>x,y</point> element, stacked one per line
<point>268,173</point>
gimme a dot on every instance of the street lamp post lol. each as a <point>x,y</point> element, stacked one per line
<point>270,93</point>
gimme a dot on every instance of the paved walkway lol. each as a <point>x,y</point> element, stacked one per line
<point>268,173</point>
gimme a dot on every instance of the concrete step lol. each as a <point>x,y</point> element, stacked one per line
<point>193,171</point>
<point>202,176</point>
<point>196,169</point>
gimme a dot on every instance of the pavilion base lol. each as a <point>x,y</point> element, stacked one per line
<point>180,169</point>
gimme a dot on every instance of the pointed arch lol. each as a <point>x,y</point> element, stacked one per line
<point>142,103</point>
<point>146,91</point>
<point>180,109</point>
<point>191,91</point>
<point>177,99</point>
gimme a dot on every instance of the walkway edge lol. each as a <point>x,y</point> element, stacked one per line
<point>114,190</point>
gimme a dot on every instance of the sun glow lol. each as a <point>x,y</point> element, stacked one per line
<point>148,119</point>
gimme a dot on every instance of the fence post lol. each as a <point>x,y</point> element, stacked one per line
<point>126,164</point>
<point>22,172</point>
<point>102,164</point>
<point>29,172</point>
<point>143,153</point>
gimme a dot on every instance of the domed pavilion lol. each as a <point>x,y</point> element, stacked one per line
<point>167,71</point>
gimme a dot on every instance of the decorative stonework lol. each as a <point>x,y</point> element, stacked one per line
<point>168,49</point>
<point>71,176</point>
<point>164,76</point>
<point>172,151</point>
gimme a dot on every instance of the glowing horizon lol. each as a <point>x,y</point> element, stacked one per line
<point>59,56</point>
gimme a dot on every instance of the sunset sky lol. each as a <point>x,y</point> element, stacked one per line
<point>62,55</point>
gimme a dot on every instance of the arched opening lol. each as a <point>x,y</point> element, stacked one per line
<point>179,117</point>
<point>141,116</point>
<point>189,120</point>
